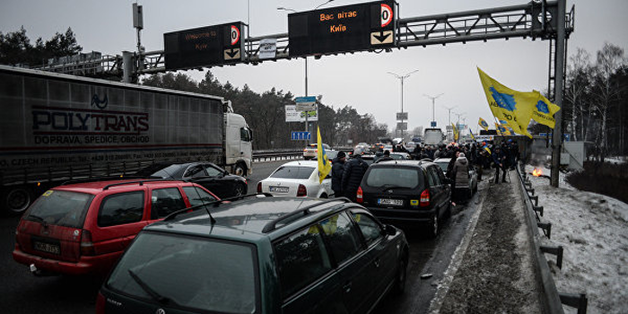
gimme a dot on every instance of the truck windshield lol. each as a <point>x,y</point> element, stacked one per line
<point>60,208</point>
<point>194,272</point>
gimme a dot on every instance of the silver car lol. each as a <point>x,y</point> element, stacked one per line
<point>473,176</point>
<point>296,178</point>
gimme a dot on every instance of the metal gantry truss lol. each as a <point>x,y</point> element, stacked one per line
<point>535,20</point>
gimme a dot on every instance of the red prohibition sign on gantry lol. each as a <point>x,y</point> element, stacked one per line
<point>235,35</point>
<point>386,15</point>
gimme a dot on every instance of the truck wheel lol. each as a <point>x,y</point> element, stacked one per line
<point>240,169</point>
<point>17,199</point>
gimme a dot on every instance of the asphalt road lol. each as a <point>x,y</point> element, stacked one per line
<point>21,292</point>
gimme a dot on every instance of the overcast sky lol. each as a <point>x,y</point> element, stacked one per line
<point>359,80</point>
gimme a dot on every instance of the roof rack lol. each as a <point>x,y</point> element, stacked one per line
<point>215,203</point>
<point>98,179</point>
<point>141,182</point>
<point>272,225</point>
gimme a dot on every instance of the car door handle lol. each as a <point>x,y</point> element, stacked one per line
<point>376,263</point>
<point>347,287</point>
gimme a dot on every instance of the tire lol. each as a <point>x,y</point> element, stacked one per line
<point>240,169</point>
<point>433,227</point>
<point>17,199</point>
<point>239,190</point>
<point>401,277</point>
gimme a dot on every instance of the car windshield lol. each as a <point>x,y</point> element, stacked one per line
<point>60,208</point>
<point>388,177</point>
<point>193,272</point>
<point>293,172</point>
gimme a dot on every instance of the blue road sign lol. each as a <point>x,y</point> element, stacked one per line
<point>300,136</point>
<point>433,124</point>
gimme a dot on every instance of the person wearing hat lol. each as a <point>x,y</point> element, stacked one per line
<point>337,169</point>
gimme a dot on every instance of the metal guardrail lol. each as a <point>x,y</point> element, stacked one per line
<point>277,154</point>
<point>553,299</point>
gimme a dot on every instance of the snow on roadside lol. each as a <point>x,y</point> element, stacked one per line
<point>593,231</point>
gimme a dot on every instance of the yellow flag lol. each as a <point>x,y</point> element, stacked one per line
<point>510,105</point>
<point>544,111</point>
<point>501,129</point>
<point>455,130</point>
<point>324,167</point>
<point>483,124</point>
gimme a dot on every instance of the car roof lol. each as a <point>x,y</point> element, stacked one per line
<point>305,163</point>
<point>409,163</point>
<point>253,218</point>
<point>442,159</point>
<point>99,186</point>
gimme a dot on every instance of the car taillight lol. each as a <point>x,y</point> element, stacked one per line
<point>302,191</point>
<point>359,196</point>
<point>87,247</point>
<point>259,187</point>
<point>100,304</point>
<point>425,199</point>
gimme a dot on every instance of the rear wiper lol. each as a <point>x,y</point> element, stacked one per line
<point>390,187</point>
<point>154,294</point>
<point>39,219</point>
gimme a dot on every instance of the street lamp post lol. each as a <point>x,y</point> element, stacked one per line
<point>402,78</point>
<point>306,92</point>
<point>433,99</point>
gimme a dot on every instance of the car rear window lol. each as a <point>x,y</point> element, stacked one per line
<point>383,177</point>
<point>292,172</point>
<point>60,208</point>
<point>199,273</point>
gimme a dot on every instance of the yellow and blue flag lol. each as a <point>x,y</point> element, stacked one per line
<point>471,133</point>
<point>502,130</point>
<point>509,105</point>
<point>324,166</point>
<point>505,124</point>
<point>456,134</point>
<point>483,124</point>
<point>544,111</point>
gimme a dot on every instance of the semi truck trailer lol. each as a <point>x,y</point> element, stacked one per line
<point>56,127</point>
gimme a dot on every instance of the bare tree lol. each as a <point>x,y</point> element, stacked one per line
<point>609,60</point>
<point>578,82</point>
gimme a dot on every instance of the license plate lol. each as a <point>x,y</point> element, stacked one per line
<point>389,201</point>
<point>279,189</point>
<point>47,247</point>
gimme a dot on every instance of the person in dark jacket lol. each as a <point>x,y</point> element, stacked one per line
<point>337,168</point>
<point>499,160</point>
<point>352,176</point>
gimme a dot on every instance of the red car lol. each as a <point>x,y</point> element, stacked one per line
<point>83,228</point>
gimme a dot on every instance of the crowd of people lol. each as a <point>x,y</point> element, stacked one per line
<point>347,175</point>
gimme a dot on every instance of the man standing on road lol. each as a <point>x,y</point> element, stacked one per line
<point>337,168</point>
<point>352,176</point>
<point>499,159</point>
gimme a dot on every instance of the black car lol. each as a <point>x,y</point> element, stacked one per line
<point>207,174</point>
<point>260,255</point>
<point>406,193</point>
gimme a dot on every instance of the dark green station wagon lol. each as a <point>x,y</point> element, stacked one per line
<point>260,255</point>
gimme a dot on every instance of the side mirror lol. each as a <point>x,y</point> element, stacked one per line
<point>390,230</point>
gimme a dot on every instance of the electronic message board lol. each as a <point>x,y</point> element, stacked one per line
<point>342,29</point>
<point>204,46</point>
